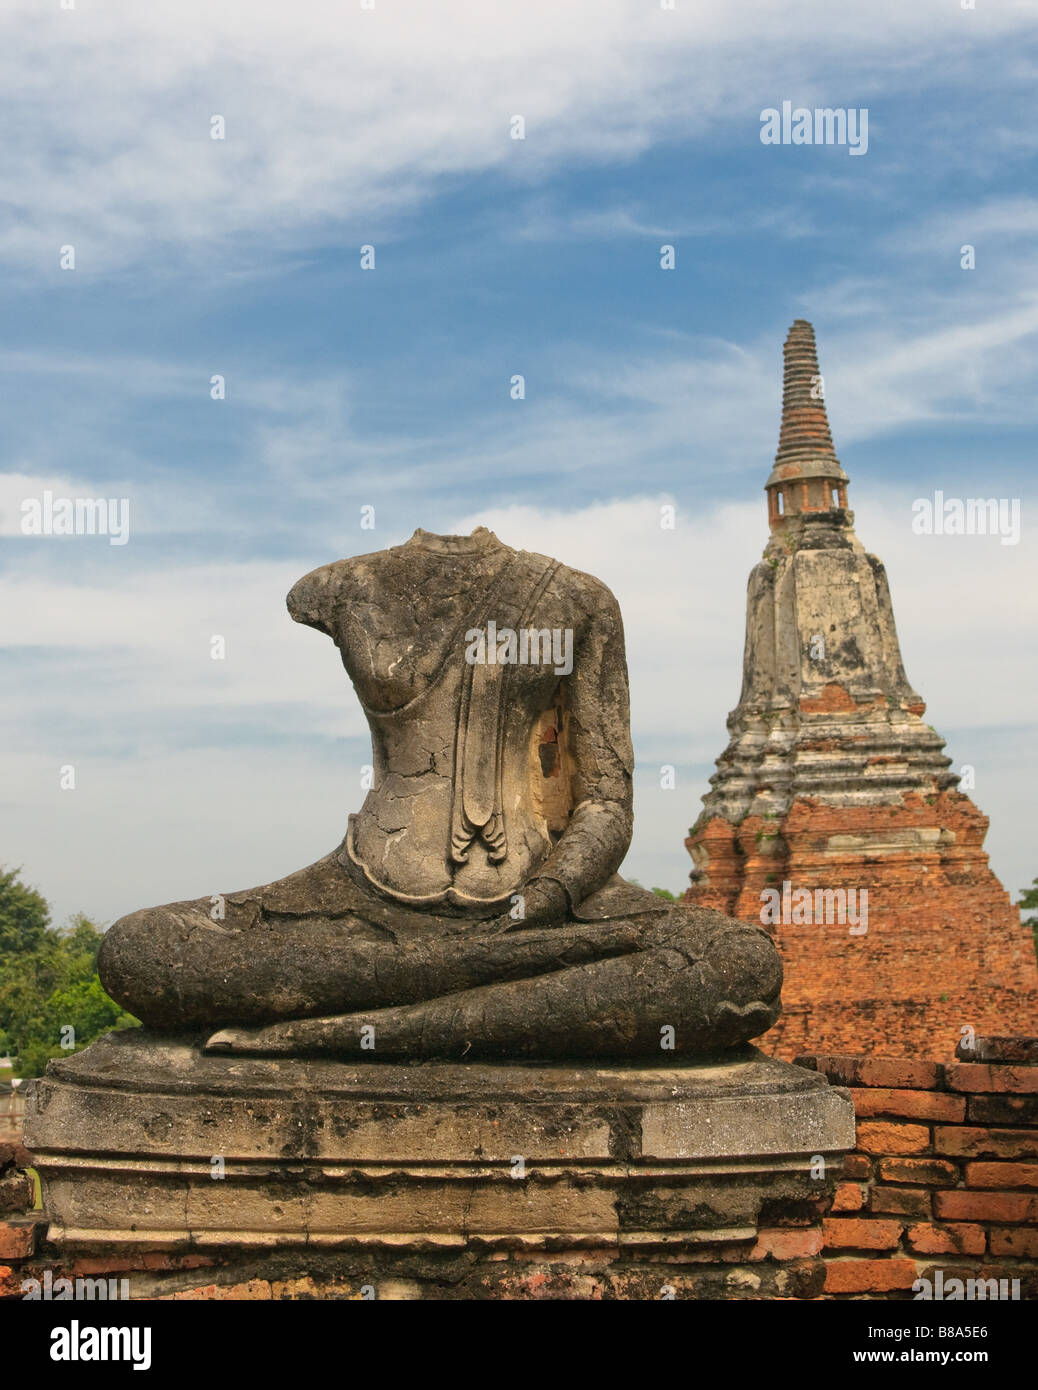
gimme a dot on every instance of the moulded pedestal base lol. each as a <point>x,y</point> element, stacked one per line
<point>143,1141</point>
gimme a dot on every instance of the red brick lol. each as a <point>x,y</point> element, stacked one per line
<point>956,1239</point>
<point>17,1239</point>
<point>987,1143</point>
<point>892,1137</point>
<point>998,1050</point>
<point>1003,1110</point>
<point>1002,1174</point>
<point>900,1201</point>
<point>856,1166</point>
<point>1010,1207</point>
<point>807,1213</point>
<point>981,1076</point>
<point>254,1290</point>
<point>911,1105</point>
<point>1021,1241</point>
<point>160,1259</point>
<point>945,927</point>
<point>869,1276</point>
<point>931,1171</point>
<point>1026,1273</point>
<point>895,1072</point>
<point>781,1243</point>
<point>14,1152</point>
<point>849,1197</point>
<point>89,1265</point>
<point>857,1233</point>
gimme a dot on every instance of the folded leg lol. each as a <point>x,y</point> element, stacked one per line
<point>174,967</point>
<point>697,983</point>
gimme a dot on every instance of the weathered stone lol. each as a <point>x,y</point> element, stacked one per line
<point>146,1140</point>
<point>473,909</point>
<point>15,1191</point>
<point>899,1201</point>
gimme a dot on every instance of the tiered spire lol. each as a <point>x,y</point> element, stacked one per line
<point>832,784</point>
<point>807,477</point>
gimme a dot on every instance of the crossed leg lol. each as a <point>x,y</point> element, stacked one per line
<point>685,980</point>
<point>687,988</point>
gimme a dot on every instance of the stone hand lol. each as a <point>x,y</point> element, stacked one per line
<point>542,903</point>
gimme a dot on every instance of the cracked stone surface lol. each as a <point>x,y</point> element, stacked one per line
<point>473,908</point>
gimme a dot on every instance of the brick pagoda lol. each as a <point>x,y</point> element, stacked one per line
<point>833,783</point>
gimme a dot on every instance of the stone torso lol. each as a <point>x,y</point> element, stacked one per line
<point>477,764</point>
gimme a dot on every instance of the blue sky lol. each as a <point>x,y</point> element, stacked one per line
<point>390,387</point>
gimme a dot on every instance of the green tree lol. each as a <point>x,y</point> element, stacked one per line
<point>24,915</point>
<point>51,999</point>
<point>664,893</point>
<point>1029,901</point>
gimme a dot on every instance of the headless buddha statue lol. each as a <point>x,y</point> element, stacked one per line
<point>473,908</point>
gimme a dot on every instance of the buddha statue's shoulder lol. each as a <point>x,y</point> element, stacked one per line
<point>316,598</point>
<point>588,597</point>
<point>595,593</point>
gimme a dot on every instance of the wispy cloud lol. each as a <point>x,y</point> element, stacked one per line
<point>342,118</point>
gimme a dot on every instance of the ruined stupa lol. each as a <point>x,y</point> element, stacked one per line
<point>833,817</point>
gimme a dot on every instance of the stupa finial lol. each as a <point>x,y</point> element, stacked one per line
<point>807,478</point>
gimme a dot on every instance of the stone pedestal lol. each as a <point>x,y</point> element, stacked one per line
<point>144,1143</point>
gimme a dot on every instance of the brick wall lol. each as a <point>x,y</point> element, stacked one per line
<point>945,1173</point>
<point>944,946</point>
<point>19,1226</point>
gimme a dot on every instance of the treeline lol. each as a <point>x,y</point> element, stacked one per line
<point>51,1000</point>
<point>1029,902</point>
